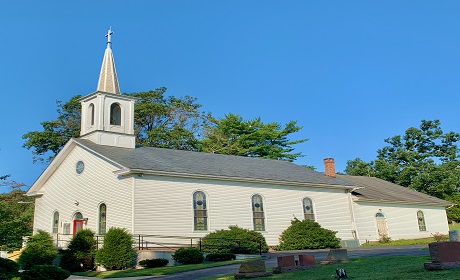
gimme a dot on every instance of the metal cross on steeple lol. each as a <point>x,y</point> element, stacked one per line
<point>108,81</point>
<point>109,37</point>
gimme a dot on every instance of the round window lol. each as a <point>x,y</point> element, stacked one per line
<point>80,167</point>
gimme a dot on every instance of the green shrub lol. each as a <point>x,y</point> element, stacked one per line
<point>45,272</point>
<point>220,257</point>
<point>151,263</point>
<point>384,239</point>
<point>80,252</point>
<point>8,269</point>
<point>307,234</point>
<point>234,240</point>
<point>188,256</point>
<point>39,250</point>
<point>117,251</point>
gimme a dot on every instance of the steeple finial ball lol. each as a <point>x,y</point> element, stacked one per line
<point>109,36</point>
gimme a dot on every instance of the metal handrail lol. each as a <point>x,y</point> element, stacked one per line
<point>142,242</point>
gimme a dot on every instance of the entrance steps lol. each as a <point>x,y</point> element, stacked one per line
<point>14,255</point>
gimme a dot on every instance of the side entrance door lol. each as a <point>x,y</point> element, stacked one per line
<point>77,222</point>
<point>382,226</point>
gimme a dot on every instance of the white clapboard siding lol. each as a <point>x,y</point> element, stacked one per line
<point>401,220</point>
<point>163,206</point>
<point>95,185</point>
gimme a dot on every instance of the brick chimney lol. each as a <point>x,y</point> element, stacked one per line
<point>329,168</point>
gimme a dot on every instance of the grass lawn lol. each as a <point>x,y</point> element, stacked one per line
<point>373,268</point>
<point>154,271</point>
<point>402,242</point>
<point>419,241</point>
<point>454,227</point>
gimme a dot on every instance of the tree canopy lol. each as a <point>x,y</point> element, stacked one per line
<point>168,122</point>
<point>16,215</point>
<point>175,123</point>
<point>425,159</point>
<point>232,135</point>
<point>48,142</point>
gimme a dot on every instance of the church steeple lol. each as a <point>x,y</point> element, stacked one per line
<point>108,80</point>
<point>107,117</point>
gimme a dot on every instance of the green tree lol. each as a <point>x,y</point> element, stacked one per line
<point>80,252</point>
<point>39,250</point>
<point>425,159</point>
<point>252,138</point>
<point>47,143</point>
<point>8,269</point>
<point>117,251</point>
<point>16,216</point>
<point>168,122</point>
<point>234,240</point>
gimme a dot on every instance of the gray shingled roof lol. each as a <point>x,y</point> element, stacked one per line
<point>179,162</point>
<point>378,190</point>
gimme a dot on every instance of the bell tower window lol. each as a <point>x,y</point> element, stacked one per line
<point>115,114</point>
<point>91,114</point>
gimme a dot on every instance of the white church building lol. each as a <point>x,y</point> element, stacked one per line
<point>102,180</point>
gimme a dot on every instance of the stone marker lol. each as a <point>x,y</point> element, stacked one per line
<point>307,260</point>
<point>288,263</point>
<point>454,235</point>
<point>443,255</point>
<point>336,256</point>
<point>252,269</point>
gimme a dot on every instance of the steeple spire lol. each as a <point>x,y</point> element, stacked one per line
<point>108,80</point>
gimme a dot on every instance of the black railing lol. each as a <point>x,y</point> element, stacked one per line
<point>170,242</point>
<point>150,241</point>
<point>61,240</point>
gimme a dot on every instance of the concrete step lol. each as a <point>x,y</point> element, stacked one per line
<point>14,255</point>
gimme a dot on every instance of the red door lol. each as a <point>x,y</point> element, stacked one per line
<point>77,225</point>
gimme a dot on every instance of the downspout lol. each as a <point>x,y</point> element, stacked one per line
<point>133,203</point>
<point>352,213</point>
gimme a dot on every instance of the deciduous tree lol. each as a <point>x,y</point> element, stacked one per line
<point>425,159</point>
<point>16,216</point>
<point>234,136</point>
<point>168,122</point>
<point>47,143</point>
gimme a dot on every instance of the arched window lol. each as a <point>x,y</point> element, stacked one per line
<point>115,114</point>
<point>421,221</point>
<point>380,215</point>
<point>258,216</point>
<point>55,222</point>
<point>200,211</point>
<point>308,212</point>
<point>91,114</point>
<point>102,219</point>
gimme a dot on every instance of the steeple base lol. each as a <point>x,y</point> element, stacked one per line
<point>111,139</point>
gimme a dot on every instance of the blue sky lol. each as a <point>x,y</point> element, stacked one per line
<point>352,73</point>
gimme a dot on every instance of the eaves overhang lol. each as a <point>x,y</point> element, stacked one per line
<point>117,96</point>
<point>128,172</point>
<point>380,201</point>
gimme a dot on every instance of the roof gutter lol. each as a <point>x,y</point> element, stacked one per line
<point>403,202</point>
<point>126,172</point>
